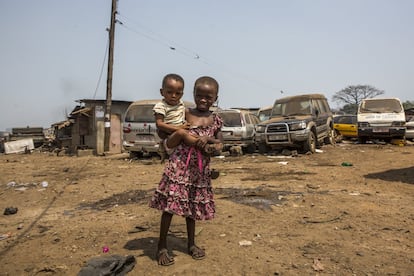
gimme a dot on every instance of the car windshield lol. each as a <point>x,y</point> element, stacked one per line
<point>231,119</point>
<point>294,107</point>
<point>140,114</point>
<point>380,106</point>
<point>345,120</point>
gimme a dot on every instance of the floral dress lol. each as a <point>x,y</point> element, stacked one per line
<point>185,187</point>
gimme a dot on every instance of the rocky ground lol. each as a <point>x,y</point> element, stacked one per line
<point>276,215</point>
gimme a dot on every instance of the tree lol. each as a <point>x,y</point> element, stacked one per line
<point>353,94</point>
<point>349,109</point>
<point>408,104</point>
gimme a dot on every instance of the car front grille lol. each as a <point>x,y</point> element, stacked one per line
<point>277,128</point>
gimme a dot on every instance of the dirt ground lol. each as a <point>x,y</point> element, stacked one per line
<point>276,215</point>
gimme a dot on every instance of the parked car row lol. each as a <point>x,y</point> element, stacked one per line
<point>304,122</point>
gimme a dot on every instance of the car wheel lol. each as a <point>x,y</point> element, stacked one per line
<point>310,144</point>
<point>262,148</point>
<point>338,137</point>
<point>250,148</point>
<point>362,140</point>
<point>330,140</point>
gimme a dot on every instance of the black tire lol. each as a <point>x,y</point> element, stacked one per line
<point>262,148</point>
<point>362,140</point>
<point>250,148</point>
<point>338,137</point>
<point>135,154</point>
<point>330,140</point>
<point>310,144</point>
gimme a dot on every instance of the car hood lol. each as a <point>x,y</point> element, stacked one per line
<point>286,119</point>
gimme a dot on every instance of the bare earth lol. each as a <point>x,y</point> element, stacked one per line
<point>309,216</point>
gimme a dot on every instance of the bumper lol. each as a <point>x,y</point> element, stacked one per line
<point>283,138</point>
<point>381,132</point>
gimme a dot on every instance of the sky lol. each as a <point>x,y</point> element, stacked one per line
<point>53,53</point>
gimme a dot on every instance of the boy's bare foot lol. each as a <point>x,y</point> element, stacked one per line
<point>212,149</point>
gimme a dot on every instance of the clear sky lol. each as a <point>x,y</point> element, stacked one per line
<point>52,52</point>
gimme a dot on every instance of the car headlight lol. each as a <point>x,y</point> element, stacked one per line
<point>298,125</point>
<point>260,128</point>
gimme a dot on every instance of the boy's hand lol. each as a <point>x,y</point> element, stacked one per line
<point>185,126</point>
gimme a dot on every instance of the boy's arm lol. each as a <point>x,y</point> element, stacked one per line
<point>162,126</point>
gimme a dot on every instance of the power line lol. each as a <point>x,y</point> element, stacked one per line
<point>151,35</point>
<point>102,69</point>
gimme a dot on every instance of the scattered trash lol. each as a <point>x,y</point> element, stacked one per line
<point>5,236</point>
<point>10,211</point>
<point>346,164</point>
<point>317,265</point>
<point>318,150</point>
<point>105,249</point>
<point>282,162</point>
<point>108,265</point>
<point>215,174</point>
<point>44,184</point>
<point>245,243</point>
<point>355,193</point>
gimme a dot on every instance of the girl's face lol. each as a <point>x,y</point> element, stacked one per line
<point>205,96</point>
<point>172,91</point>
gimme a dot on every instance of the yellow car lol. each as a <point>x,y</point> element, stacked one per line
<point>346,127</point>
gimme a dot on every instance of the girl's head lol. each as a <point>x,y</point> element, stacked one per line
<point>172,88</point>
<point>205,92</point>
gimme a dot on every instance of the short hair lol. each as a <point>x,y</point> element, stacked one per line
<point>172,76</point>
<point>206,80</point>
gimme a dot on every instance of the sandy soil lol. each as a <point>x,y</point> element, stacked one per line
<point>304,215</point>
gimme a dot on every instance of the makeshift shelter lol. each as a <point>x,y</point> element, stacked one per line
<point>85,127</point>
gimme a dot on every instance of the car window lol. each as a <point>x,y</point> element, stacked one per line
<point>294,107</point>
<point>140,114</point>
<point>231,119</point>
<point>247,118</point>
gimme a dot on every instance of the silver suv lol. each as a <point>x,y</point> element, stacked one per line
<point>238,129</point>
<point>303,121</point>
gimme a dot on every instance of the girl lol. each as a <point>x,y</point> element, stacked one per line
<point>185,187</point>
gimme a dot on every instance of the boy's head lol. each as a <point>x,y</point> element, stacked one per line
<point>172,88</point>
<point>205,92</point>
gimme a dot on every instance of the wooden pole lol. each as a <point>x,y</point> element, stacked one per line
<point>109,78</point>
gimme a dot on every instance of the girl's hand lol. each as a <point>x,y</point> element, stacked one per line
<point>202,142</point>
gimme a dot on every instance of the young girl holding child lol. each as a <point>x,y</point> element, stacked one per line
<point>185,187</point>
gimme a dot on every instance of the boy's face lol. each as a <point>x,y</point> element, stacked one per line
<point>172,91</point>
<point>205,96</point>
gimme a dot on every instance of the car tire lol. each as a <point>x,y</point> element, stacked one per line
<point>262,148</point>
<point>250,148</point>
<point>310,144</point>
<point>330,139</point>
<point>362,140</point>
<point>338,137</point>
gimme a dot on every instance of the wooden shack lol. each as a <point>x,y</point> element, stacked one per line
<point>85,129</point>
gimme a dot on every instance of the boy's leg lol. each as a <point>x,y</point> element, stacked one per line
<point>179,136</point>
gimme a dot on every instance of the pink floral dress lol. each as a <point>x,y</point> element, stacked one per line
<point>185,187</point>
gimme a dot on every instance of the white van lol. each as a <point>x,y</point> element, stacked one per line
<point>140,136</point>
<point>381,118</point>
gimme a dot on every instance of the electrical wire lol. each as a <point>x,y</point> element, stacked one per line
<point>102,68</point>
<point>151,35</point>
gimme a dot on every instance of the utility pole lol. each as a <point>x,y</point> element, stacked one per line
<point>109,77</point>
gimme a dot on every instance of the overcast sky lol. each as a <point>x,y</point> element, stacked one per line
<point>52,52</point>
